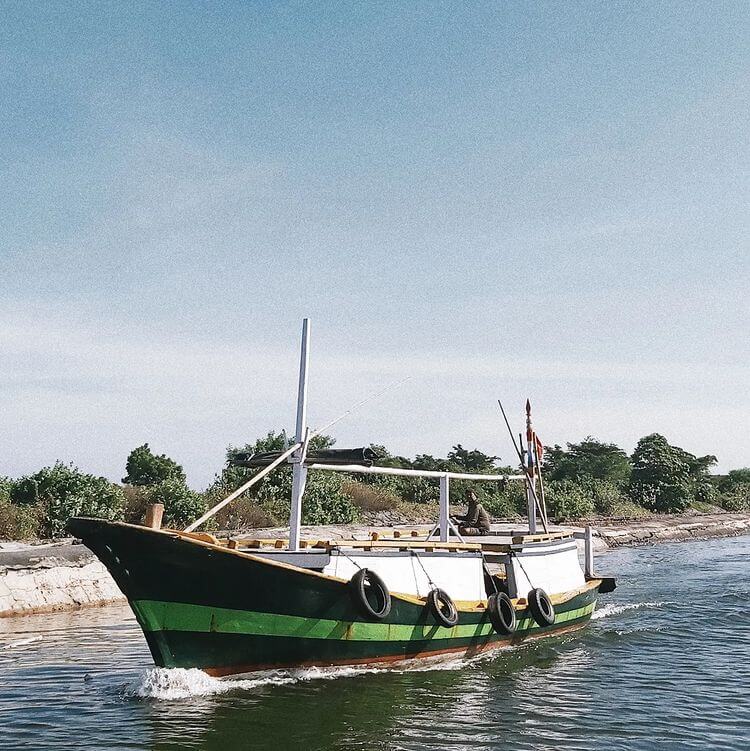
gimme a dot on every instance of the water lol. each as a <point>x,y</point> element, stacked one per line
<point>665,665</point>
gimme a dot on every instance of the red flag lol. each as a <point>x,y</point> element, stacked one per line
<point>539,446</point>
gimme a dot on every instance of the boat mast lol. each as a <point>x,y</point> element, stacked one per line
<point>299,471</point>
<point>531,499</point>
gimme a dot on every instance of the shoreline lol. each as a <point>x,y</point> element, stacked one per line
<point>63,575</point>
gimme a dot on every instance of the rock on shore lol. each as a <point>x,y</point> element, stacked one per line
<point>43,578</point>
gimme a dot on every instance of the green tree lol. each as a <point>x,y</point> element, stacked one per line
<point>661,477</point>
<point>387,459</point>
<point>233,476</point>
<point>430,463</point>
<point>145,468</point>
<point>471,461</point>
<point>590,458</point>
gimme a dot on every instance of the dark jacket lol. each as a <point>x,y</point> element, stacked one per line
<point>476,516</point>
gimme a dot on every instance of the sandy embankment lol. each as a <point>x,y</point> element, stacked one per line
<point>47,577</point>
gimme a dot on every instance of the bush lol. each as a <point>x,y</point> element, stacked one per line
<point>136,501</point>
<point>18,522</point>
<point>706,493</point>
<point>369,497</point>
<point>63,491</point>
<point>500,506</point>
<point>737,498</point>
<point>610,499</point>
<point>6,486</point>
<point>274,495</point>
<point>324,501</point>
<point>98,498</point>
<point>420,490</point>
<point>181,504</point>
<point>734,478</point>
<point>25,492</point>
<point>568,500</point>
<point>506,503</point>
<point>244,513</point>
<point>387,483</point>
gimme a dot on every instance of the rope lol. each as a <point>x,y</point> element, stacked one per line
<point>349,558</point>
<point>525,573</point>
<point>429,578</point>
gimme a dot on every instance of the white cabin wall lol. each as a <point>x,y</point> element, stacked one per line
<point>557,571</point>
<point>462,577</point>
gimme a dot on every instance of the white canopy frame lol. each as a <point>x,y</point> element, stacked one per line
<point>444,525</point>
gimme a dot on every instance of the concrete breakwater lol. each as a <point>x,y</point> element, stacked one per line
<point>56,576</point>
<point>672,528</point>
<point>43,578</point>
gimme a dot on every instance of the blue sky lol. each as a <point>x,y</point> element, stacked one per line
<point>495,199</point>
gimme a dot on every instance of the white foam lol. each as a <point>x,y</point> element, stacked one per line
<point>611,609</point>
<point>184,683</point>
<point>22,642</point>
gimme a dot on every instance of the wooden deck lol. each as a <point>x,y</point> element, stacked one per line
<point>500,541</point>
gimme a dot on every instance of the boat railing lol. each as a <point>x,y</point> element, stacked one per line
<point>587,535</point>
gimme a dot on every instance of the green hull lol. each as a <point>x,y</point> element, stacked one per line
<point>226,612</point>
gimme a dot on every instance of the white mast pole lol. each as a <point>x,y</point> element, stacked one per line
<point>299,471</point>
<point>444,508</point>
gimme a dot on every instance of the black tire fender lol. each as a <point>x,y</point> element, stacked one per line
<point>502,613</point>
<point>541,607</point>
<point>365,581</point>
<point>442,608</point>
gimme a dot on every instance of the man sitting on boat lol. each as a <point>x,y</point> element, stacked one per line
<point>477,520</point>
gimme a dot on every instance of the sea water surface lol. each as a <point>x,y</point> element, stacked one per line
<point>665,664</point>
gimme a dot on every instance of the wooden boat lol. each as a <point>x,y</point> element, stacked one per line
<point>233,606</point>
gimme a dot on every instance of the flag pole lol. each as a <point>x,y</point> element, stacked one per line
<point>538,462</point>
<point>519,453</point>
